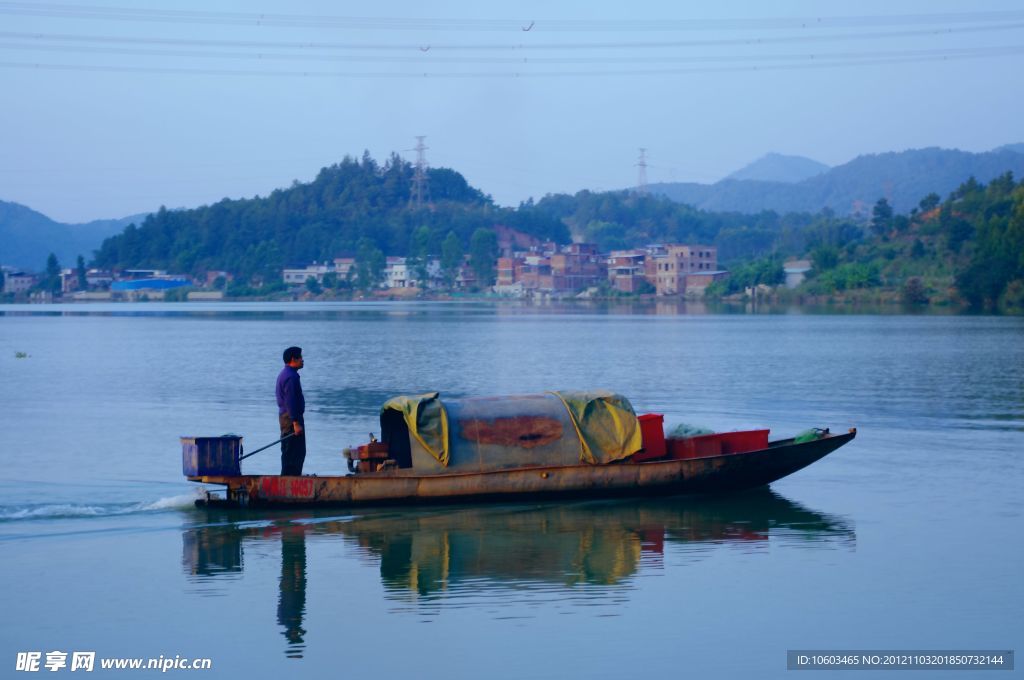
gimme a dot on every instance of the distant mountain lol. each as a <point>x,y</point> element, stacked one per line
<point>1016,148</point>
<point>28,237</point>
<point>775,167</point>
<point>903,177</point>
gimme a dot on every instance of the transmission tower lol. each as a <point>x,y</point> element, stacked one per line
<point>641,174</point>
<point>420,195</point>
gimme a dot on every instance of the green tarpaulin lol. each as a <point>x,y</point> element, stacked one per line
<point>606,424</point>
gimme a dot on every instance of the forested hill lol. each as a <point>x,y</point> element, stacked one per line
<point>358,204</point>
<point>348,206</point>
<point>902,177</point>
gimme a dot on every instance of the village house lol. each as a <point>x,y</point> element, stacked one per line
<point>570,269</point>
<point>547,269</point>
<point>345,267</point>
<point>626,270</point>
<point>18,281</point>
<point>297,276</point>
<point>94,279</point>
<point>677,269</point>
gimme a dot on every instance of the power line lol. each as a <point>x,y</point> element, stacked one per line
<point>811,62</point>
<point>750,41</point>
<point>112,13</point>
<point>259,56</point>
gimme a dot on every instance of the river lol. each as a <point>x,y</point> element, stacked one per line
<point>902,540</point>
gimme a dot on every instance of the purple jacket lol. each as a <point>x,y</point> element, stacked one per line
<point>289,395</point>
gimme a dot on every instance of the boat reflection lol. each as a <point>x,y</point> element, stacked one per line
<point>460,556</point>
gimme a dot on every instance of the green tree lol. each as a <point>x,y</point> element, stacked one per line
<point>52,280</point>
<point>914,292</point>
<point>313,286</point>
<point>331,280</point>
<point>483,251</point>
<point>997,260</point>
<point>960,231</point>
<point>419,255</point>
<point>825,258</point>
<point>83,281</point>
<point>370,263</point>
<point>881,217</point>
<point>768,270</point>
<point>929,202</point>
<point>607,235</point>
<point>451,258</point>
<point>176,295</point>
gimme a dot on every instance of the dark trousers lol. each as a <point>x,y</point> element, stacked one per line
<point>293,449</point>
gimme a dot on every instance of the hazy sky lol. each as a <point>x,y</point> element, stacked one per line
<point>109,110</point>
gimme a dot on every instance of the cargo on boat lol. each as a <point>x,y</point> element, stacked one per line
<point>557,444</point>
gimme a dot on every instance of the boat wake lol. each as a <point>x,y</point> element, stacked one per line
<point>74,510</point>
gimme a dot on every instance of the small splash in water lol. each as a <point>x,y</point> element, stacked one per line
<point>186,500</point>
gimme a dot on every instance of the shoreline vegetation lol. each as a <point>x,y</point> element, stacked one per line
<point>964,252</point>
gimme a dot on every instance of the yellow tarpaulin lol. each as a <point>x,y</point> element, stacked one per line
<point>427,421</point>
<point>606,424</point>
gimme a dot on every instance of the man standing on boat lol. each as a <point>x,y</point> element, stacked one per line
<point>290,407</point>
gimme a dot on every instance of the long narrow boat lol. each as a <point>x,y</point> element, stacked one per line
<point>702,475</point>
<point>557,445</point>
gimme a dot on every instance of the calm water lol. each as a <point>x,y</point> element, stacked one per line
<point>910,537</point>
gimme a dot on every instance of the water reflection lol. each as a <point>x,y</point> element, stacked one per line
<point>291,604</point>
<point>584,554</point>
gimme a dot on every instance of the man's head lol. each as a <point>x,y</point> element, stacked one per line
<point>293,357</point>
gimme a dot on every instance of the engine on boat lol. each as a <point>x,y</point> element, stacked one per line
<point>370,457</point>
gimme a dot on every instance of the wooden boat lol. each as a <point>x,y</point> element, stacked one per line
<point>563,445</point>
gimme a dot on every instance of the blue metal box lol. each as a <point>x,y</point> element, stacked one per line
<point>211,456</point>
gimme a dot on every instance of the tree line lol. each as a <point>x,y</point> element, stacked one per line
<point>968,247</point>
<point>361,208</point>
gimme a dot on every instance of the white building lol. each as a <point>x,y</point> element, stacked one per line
<point>398,273</point>
<point>343,266</point>
<point>18,282</point>
<point>297,277</point>
<point>796,272</point>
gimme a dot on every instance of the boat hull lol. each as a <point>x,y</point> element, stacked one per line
<point>711,474</point>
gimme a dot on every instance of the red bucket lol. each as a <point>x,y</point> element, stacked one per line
<point>653,432</point>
